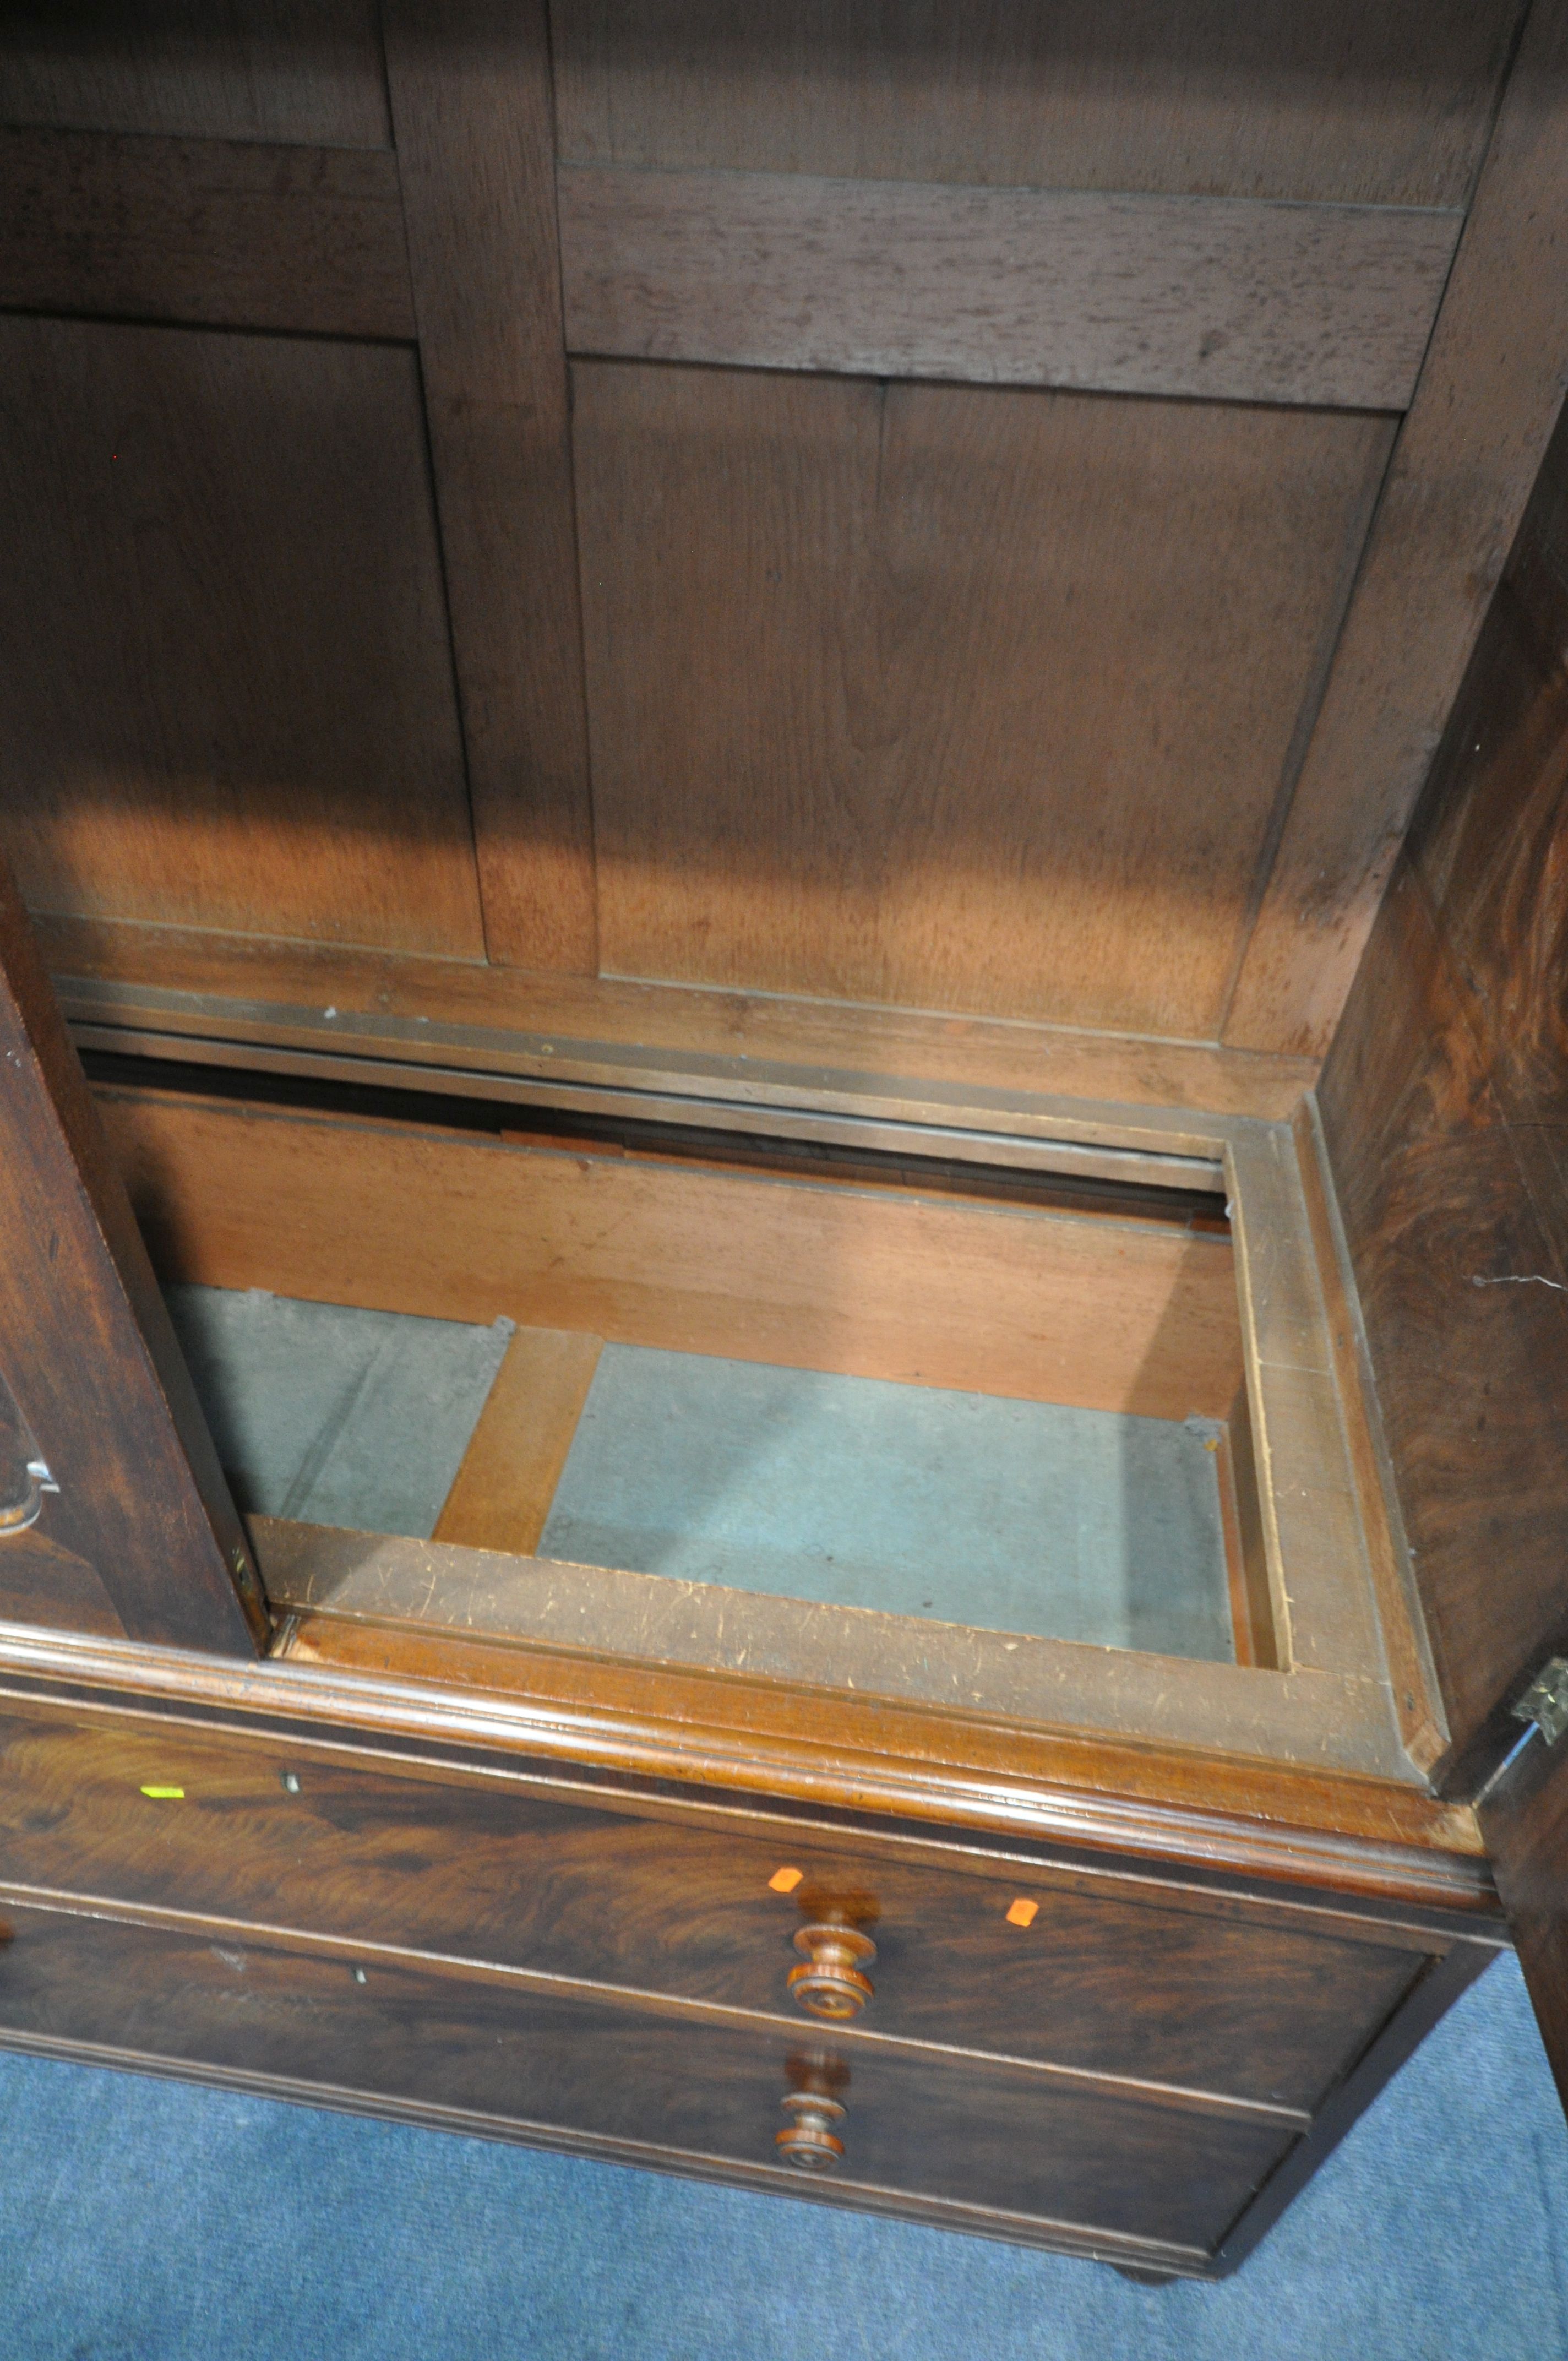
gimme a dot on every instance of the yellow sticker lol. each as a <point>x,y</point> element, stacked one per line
<point>161,1794</point>
<point>785,1881</point>
<point>1023,1914</point>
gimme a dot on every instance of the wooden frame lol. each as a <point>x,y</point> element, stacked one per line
<point>1323,1704</point>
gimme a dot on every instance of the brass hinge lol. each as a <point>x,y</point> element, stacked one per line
<point>1544,1710</point>
<point>1545,1702</point>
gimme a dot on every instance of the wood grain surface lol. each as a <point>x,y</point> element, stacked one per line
<point>501,1494</point>
<point>223,626</point>
<point>226,233</point>
<point>1218,298</point>
<point>985,2138</point>
<point>196,986</point>
<point>1445,1104</point>
<point>872,1283</point>
<point>1348,105</point>
<point>951,697</point>
<point>1472,1368</point>
<point>424,1593</point>
<point>1467,456</point>
<point>1235,1822</point>
<point>1234,2004</point>
<point>471,102</point>
<point>1418,1697</point>
<point>42,1582</point>
<point>141,1511</point>
<point>306,71</point>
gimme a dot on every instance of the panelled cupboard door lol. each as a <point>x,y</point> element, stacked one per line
<point>114,1517</point>
<point>1444,1108</point>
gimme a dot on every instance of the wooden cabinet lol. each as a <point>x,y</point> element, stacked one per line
<point>857,716</point>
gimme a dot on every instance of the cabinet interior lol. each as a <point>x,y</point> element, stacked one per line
<point>752,1402</point>
<point>850,815</point>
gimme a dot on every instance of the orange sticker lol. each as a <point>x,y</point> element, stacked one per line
<point>1023,1914</point>
<point>785,1881</point>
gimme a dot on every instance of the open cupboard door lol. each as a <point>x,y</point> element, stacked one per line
<point>114,1514</point>
<point>1445,1111</point>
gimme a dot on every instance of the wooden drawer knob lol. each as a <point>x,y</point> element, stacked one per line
<point>808,2140</point>
<point>830,1982</point>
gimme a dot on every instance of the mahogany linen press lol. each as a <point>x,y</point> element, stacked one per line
<point>812,758</point>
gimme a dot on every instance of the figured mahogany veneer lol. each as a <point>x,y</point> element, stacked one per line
<point>964,2139</point>
<point>1134,1981</point>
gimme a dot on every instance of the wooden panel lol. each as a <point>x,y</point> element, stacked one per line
<point>951,697</point>
<point>1488,398</point>
<point>41,1582</point>
<point>470,87</point>
<point>245,236</point>
<point>1153,1986</point>
<point>1389,106</point>
<point>199,992</point>
<point>992,1299</point>
<point>500,1497</point>
<point>1443,1105</point>
<point>303,71</point>
<point>1126,295</point>
<point>1471,1370</point>
<point>222,624</point>
<point>985,2140</point>
<point>1411,1674</point>
<point>1490,839</point>
<point>135,1512</point>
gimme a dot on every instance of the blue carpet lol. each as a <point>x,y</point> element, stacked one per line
<point>141,2219</point>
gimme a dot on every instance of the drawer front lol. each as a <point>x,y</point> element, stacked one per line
<point>1204,1996</point>
<point>1002,2139</point>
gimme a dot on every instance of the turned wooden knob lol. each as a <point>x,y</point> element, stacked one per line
<point>830,1984</point>
<point>808,2140</point>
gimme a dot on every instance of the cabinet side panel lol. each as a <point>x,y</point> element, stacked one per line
<point>1444,1103</point>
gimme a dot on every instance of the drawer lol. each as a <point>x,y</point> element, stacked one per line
<point>1180,1989</point>
<point>655,2084</point>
